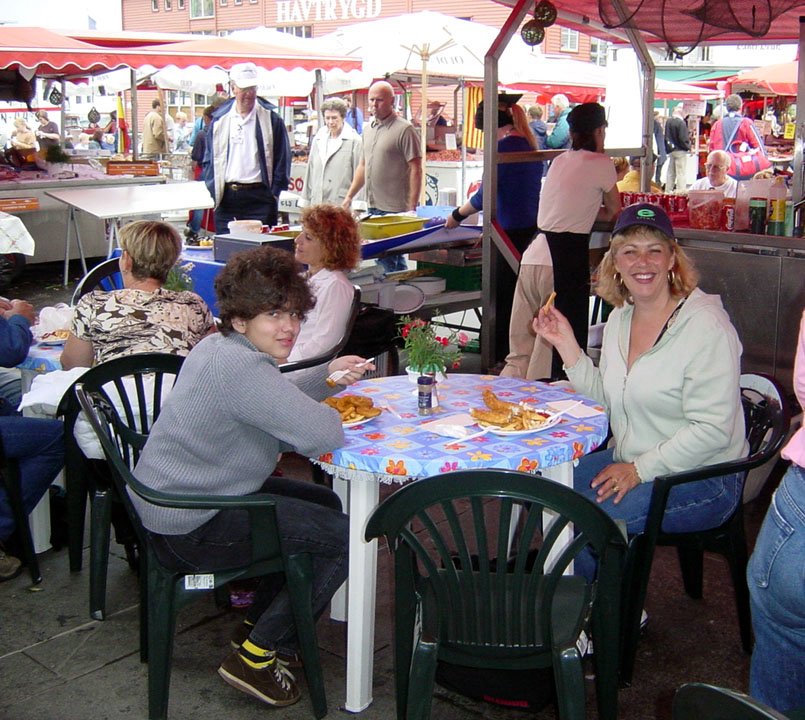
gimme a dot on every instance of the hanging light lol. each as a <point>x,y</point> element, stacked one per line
<point>533,33</point>
<point>545,13</point>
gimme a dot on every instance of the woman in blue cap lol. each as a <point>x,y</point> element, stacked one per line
<point>669,378</point>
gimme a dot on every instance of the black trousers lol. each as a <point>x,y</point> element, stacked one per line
<point>250,203</point>
<point>570,254</point>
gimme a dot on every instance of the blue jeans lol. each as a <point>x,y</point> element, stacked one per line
<point>776,576</point>
<point>390,263</point>
<point>695,506</point>
<point>196,216</point>
<point>310,520</point>
<point>38,446</point>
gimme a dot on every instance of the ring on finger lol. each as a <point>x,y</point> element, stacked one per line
<point>614,487</point>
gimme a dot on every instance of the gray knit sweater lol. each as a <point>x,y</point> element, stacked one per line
<point>224,425</point>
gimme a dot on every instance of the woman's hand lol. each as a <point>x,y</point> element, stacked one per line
<point>554,327</point>
<point>354,364</point>
<point>614,481</point>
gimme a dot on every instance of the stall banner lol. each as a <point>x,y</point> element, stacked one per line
<point>473,137</point>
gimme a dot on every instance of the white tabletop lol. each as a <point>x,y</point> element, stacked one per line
<point>134,200</point>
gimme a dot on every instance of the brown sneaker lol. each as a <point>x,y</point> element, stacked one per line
<point>10,566</point>
<point>273,684</point>
<point>241,633</point>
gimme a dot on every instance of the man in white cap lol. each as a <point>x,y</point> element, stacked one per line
<point>247,160</point>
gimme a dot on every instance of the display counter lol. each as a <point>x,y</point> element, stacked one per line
<point>760,281</point>
<point>47,224</point>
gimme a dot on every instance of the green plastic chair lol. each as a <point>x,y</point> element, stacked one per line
<point>92,479</point>
<point>12,482</point>
<point>485,604</point>
<point>767,421</point>
<point>162,589</point>
<point>697,701</point>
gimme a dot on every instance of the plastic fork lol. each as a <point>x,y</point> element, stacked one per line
<point>333,377</point>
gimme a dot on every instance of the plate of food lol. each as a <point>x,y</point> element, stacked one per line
<point>353,409</point>
<point>56,337</point>
<point>509,419</point>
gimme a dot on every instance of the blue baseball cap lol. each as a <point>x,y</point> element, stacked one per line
<point>647,214</point>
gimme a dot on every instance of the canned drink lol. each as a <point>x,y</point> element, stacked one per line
<point>654,198</point>
<point>681,203</point>
<point>728,215</point>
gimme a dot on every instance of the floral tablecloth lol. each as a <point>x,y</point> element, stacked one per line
<point>14,236</point>
<point>43,358</point>
<point>395,449</point>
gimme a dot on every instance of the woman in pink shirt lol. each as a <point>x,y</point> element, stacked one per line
<point>776,576</point>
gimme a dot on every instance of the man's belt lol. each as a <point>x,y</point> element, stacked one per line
<point>243,186</point>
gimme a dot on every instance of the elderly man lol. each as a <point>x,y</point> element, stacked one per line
<point>391,166</point>
<point>559,139</point>
<point>678,140</point>
<point>718,162</point>
<point>247,161</point>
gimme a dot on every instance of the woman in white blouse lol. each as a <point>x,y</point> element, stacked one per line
<point>330,246</point>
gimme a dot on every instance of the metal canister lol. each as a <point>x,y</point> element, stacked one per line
<point>757,216</point>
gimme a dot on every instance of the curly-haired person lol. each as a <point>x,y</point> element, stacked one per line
<point>330,246</point>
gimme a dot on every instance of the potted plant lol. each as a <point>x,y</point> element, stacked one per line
<point>427,352</point>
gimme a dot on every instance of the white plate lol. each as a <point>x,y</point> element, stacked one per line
<point>51,342</point>
<point>549,423</point>
<point>407,298</point>
<point>358,422</point>
<point>430,285</point>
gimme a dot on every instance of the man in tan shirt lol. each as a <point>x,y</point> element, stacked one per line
<point>154,138</point>
<point>391,166</point>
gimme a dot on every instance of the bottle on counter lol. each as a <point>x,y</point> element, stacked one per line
<point>776,208</point>
<point>425,394</point>
<point>757,215</point>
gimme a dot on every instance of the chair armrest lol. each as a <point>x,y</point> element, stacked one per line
<point>200,502</point>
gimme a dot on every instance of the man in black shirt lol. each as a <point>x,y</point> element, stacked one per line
<point>676,135</point>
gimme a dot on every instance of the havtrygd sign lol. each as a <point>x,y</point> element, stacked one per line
<point>303,11</point>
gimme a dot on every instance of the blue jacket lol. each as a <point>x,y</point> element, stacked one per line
<point>519,186</point>
<point>560,137</point>
<point>276,177</point>
<point>15,339</point>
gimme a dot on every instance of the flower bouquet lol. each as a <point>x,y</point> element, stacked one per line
<point>427,352</point>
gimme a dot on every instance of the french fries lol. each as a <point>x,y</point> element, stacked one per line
<point>353,408</point>
<point>507,416</point>
<point>549,302</point>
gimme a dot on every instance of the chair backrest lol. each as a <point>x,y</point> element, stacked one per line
<point>698,701</point>
<point>332,353</point>
<point>104,276</point>
<point>766,415</point>
<point>450,536</point>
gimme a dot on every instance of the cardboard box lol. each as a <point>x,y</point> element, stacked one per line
<point>223,246</point>
<point>449,256</point>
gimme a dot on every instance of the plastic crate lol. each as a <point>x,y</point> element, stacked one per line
<point>467,277</point>
<point>386,226</point>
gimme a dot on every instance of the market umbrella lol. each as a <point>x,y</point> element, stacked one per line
<point>779,79</point>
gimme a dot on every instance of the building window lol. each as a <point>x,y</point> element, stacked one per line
<point>238,2</point>
<point>599,50</point>
<point>305,31</point>
<point>180,5</point>
<point>168,5</point>
<point>154,5</point>
<point>704,53</point>
<point>570,40</point>
<point>222,3</point>
<point>202,9</point>
<point>253,2</point>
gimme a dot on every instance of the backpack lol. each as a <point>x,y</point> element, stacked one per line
<point>743,164</point>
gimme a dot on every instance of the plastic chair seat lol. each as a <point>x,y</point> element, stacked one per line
<point>484,602</point>
<point>163,590</point>
<point>767,420</point>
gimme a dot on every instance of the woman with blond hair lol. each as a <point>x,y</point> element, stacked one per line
<point>668,377</point>
<point>143,316</point>
<point>330,246</point>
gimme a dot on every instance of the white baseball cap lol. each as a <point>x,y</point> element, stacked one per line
<point>244,75</point>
